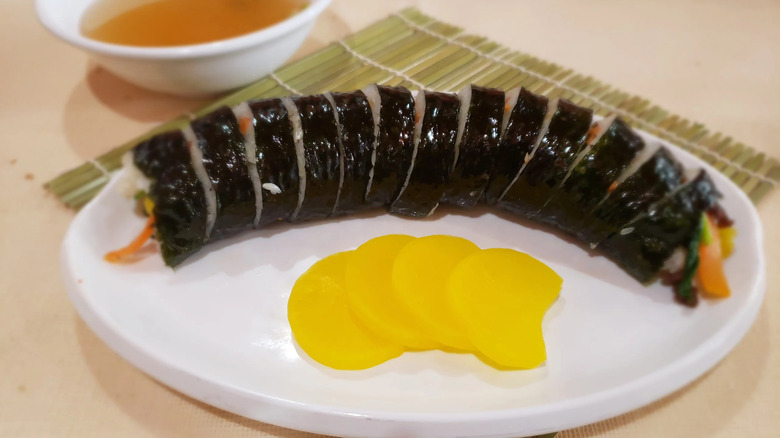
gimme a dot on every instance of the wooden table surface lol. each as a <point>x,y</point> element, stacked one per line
<point>715,62</point>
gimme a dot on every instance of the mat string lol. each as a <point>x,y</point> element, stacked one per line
<point>106,175</point>
<point>284,85</point>
<point>373,63</point>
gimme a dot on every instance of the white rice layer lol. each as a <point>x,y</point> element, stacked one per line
<point>332,102</point>
<point>295,122</point>
<point>599,128</point>
<point>242,111</point>
<point>510,100</point>
<point>552,106</point>
<point>133,180</point>
<point>196,159</point>
<point>375,102</point>
<point>463,114</point>
<point>419,114</point>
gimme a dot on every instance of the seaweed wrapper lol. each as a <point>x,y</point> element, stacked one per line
<point>591,177</point>
<point>276,160</point>
<point>642,246</point>
<point>522,129</point>
<point>478,147</point>
<point>394,146</point>
<point>180,204</point>
<point>548,167</point>
<point>224,157</point>
<point>656,178</point>
<point>321,155</point>
<point>435,154</point>
<point>357,137</point>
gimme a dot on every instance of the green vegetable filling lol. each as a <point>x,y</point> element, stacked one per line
<point>706,231</point>
<point>686,292</point>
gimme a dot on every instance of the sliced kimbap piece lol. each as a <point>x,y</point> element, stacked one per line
<point>436,129</point>
<point>277,161</point>
<point>393,109</point>
<point>356,131</point>
<point>319,137</point>
<point>643,245</point>
<point>480,119</point>
<point>563,134</point>
<point>652,176</point>
<point>180,203</point>
<point>523,118</point>
<point>221,143</point>
<point>611,147</point>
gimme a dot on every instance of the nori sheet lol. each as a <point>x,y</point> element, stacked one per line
<point>179,201</point>
<point>547,168</point>
<point>357,136</point>
<point>321,155</point>
<point>642,246</point>
<point>478,147</point>
<point>657,177</point>
<point>276,159</point>
<point>435,154</point>
<point>224,157</point>
<point>394,145</point>
<point>591,178</point>
<point>523,127</point>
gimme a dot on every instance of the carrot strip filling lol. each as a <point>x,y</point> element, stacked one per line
<point>711,274</point>
<point>135,245</point>
<point>593,132</point>
<point>244,123</point>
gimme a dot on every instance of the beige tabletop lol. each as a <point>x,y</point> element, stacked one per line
<point>716,62</point>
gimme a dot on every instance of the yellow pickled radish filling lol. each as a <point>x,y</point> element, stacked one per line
<point>397,293</point>
<point>727,236</point>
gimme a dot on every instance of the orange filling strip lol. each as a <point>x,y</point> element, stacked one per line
<point>243,124</point>
<point>135,245</point>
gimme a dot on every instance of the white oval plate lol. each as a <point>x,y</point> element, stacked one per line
<point>216,327</point>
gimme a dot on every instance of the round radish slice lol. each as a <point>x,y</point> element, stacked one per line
<point>371,296</point>
<point>323,325</point>
<point>420,277</point>
<point>500,296</point>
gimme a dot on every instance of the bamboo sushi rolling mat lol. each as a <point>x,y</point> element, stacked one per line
<point>56,110</point>
<point>416,51</point>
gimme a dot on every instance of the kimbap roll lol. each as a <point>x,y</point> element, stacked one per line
<point>310,157</point>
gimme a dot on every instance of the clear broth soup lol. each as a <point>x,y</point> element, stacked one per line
<point>160,23</point>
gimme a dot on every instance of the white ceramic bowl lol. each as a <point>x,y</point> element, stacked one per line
<point>191,70</point>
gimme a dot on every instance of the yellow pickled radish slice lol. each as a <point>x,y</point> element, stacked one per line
<point>420,277</point>
<point>501,295</point>
<point>371,297</point>
<point>323,325</point>
<point>727,236</point>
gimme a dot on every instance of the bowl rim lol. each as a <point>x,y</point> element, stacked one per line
<point>220,47</point>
